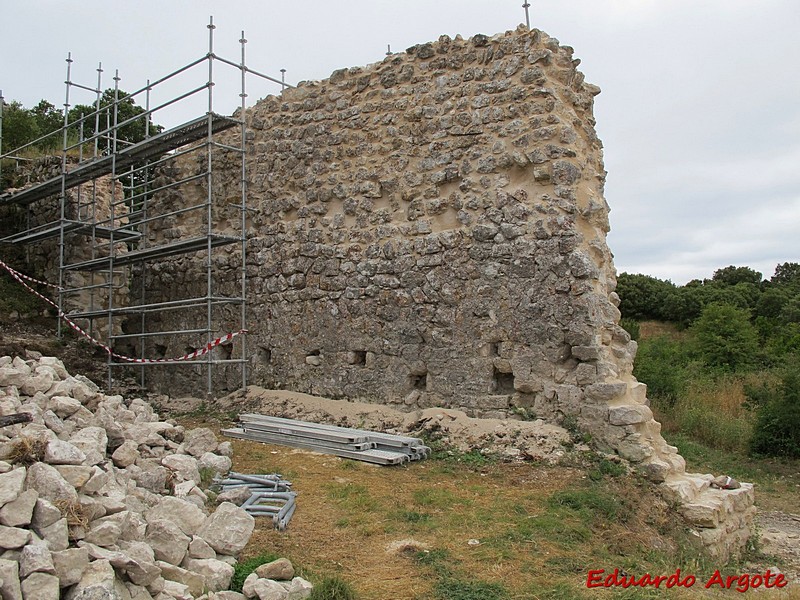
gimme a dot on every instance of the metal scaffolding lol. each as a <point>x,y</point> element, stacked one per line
<point>122,232</point>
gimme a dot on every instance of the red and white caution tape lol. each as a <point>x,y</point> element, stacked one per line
<point>21,278</point>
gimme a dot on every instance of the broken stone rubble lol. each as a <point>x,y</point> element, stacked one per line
<point>87,497</point>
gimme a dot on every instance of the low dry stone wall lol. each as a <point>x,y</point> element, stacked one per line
<point>99,498</point>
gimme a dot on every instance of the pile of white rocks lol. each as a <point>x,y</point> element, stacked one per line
<point>102,500</point>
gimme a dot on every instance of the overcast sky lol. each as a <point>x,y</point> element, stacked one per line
<point>699,114</point>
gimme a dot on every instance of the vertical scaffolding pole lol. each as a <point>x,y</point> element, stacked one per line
<point>112,224</point>
<point>209,199</point>
<point>2,104</point>
<point>63,208</point>
<point>243,42</point>
<point>143,231</point>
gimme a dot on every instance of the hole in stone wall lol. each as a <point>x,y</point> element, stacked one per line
<point>418,381</point>
<point>314,353</point>
<point>161,350</point>
<point>493,349</point>
<point>503,382</point>
<point>359,357</point>
<point>226,351</point>
<point>264,355</point>
<point>189,349</point>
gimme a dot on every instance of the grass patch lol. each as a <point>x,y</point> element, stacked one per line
<point>450,588</point>
<point>589,504</point>
<point>352,497</point>
<point>332,587</point>
<point>243,568</point>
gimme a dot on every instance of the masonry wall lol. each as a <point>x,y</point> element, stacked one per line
<point>430,231</point>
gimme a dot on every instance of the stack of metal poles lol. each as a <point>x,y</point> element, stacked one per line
<point>270,496</point>
<point>358,444</point>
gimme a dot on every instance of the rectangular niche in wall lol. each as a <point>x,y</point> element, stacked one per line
<point>503,383</point>
<point>357,358</point>
<point>418,379</point>
<point>264,355</point>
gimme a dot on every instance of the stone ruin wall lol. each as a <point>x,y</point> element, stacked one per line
<point>430,230</point>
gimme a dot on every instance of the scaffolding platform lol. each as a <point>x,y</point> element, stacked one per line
<point>131,156</point>
<point>53,230</point>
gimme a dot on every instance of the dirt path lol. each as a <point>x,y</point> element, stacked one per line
<point>780,537</point>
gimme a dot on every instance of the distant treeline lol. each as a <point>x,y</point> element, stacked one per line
<point>735,331</point>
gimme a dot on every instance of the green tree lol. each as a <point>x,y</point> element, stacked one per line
<point>19,126</point>
<point>787,274</point>
<point>126,109</point>
<point>734,275</point>
<point>643,296</point>
<point>725,338</point>
<point>777,428</point>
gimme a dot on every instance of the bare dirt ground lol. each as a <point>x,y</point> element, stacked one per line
<point>779,534</point>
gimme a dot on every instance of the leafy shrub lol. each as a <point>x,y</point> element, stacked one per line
<point>777,428</point>
<point>660,363</point>
<point>631,326</point>
<point>726,339</point>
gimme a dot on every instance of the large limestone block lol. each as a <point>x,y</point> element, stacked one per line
<point>10,376</point>
<point>63,406</point>
<point>193,581</point>
<point>266,589</point>
<point>20,511</point>
<point>9,580</point>
<point>629,415</point>
<point>199,441</point>
<point>41,586</point>
<point>168,541</point>
<point>175,590</point>
<point>280,569</point>
<point>183,465</point>
<point>39,383</point>
<point>11,485</point>
<point>56,536</point>
<point>216,574</point>
<point>147,571</point>
<point>142,572</point>
<point>70,564</point>
<point>76,475</point>
<point>59,452</point>
<point>99,582</point>
<point>35,558</point>
<point>55,364</point>
<point>126,454</point>
<point>228,530</point>
<point>103,534</point>
<point>199,548</point>
<point>187,516</point>
<point>298,588</point>
<point>216,463</point>
<point>44,514</point>
<point>13,537</point>
<point>93,441</point>
<point>51,486</point>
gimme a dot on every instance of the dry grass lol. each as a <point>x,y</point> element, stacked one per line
<point>27,450</point>
<point>403,533</point>
<point>74,513</point>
